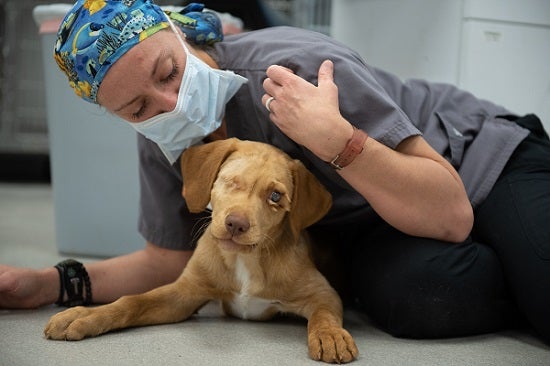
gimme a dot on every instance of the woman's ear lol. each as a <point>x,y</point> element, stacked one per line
<point>199,168</point>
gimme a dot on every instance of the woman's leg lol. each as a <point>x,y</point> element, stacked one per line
<point>515,221</point>
<point>423,288</point>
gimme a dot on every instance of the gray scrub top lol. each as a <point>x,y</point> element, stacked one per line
<point>467,131</point>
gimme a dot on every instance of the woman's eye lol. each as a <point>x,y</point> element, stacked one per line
<point>141,111</point>
<point>275,196</point>
<point>172,74</point>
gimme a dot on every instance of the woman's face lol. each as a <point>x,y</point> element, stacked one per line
<point>145,81</point>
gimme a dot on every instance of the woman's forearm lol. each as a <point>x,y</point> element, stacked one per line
<point>413,189</point>
<point>112,278</point>
<point>136,272</point>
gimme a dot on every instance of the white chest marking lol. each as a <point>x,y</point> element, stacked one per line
<point>243,275</point>
<point>244,305</point>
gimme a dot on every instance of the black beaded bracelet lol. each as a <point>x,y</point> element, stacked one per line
<point>73,281</point>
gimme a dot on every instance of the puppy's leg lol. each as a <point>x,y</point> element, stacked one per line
<point>328,341</point>
<point>167,304</point>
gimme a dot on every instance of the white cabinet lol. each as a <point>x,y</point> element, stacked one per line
<point>505,54</point>
<point>497,49</point>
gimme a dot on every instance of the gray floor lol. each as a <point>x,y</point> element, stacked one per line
<point>27,238</point>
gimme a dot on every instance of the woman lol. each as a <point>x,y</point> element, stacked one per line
<point>441,200</point>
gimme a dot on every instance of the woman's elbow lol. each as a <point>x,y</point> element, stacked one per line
<point>460,224</point>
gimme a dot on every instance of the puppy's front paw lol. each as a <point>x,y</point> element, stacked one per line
<point>332,345</point>
<point>74,324</point>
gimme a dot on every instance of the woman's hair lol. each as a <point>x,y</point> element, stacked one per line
<point>96,33</point>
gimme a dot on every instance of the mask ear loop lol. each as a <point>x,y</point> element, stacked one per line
<point>173,27</point>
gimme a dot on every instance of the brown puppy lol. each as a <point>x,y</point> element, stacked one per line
<point>253,256</point>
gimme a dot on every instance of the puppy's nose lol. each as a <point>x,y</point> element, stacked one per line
<point>236,224</point>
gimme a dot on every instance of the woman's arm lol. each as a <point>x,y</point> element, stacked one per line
<point>412,187</point>
<point>136,272</point>
<point>112,278</point>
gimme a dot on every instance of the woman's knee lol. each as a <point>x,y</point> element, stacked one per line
<point>422,288</point>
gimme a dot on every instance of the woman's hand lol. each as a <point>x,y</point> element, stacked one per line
<point>306,113</point>
<point>24,288</point>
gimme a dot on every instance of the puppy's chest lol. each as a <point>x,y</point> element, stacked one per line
<point>246,304</point>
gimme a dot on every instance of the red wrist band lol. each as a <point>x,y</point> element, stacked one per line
<point>352,149</point>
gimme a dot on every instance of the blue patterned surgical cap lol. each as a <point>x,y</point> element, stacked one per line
<point>96,33</point>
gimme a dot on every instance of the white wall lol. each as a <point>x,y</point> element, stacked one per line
<point>497,49</point>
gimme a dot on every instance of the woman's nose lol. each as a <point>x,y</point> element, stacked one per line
<point>166,100</point>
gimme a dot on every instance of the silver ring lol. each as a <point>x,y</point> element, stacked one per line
<point>268,102</point>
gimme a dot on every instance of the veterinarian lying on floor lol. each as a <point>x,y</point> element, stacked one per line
<point>441,201</point>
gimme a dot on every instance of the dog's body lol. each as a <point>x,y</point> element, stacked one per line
<point>253,257</point>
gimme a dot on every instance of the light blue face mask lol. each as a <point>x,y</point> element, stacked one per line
<point>202,97</point>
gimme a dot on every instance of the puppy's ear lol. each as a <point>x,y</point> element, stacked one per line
<point>310,200</point>
<point>199,168</point>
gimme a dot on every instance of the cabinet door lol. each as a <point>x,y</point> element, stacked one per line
<point>508,63</point>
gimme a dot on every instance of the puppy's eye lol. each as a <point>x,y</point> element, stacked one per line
<point>275,196</point>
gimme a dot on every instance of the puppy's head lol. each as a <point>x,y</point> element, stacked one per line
<point>257,192</point>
